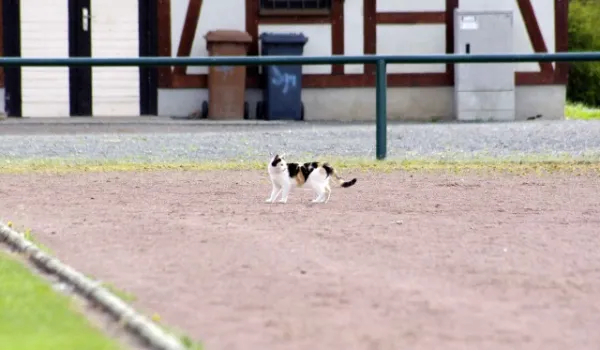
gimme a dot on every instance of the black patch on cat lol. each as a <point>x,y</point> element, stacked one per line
<point>276,160</point>
<point>307,168</point>
<point>312,165</point>
<point>328,169</point>
<point>293,169</point>
<point>349,183</point>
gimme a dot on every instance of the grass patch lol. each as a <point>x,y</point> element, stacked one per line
<point>188,342</point>
<point>445,163</point>
<point>34,316</point>
<point>579,111</point>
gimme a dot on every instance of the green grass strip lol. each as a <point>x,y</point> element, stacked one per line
<point>33,316</point>
<point>448,163</point>
<point>579,111</point>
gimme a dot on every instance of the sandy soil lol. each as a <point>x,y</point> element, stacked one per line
<point>398,261</point>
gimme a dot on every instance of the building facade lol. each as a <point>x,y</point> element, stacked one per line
<point>129,28</point>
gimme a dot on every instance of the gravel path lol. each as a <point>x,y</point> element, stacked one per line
<point>187,141</point>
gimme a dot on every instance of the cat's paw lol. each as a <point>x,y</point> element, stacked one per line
<point>268,200</point>
<point>282,201</point>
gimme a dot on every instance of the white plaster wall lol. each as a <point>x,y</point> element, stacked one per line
<point>318,44</point>
<point>358,104</point>
<point>411,5</point>
<point>422,103</point>
<point>353,34</point>
<point>230,14</point>
<point>45,90</point>
<point>183,102</point>
<point>544,12</point>
<point>115,90</point>
<point>415,39</point>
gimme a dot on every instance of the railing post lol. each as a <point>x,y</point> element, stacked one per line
<point>381,110</point>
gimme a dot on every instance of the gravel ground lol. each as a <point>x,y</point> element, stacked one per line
<point>167,140</point>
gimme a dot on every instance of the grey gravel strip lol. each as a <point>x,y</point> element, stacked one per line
<point>134,322</point>
<point>196,143</point>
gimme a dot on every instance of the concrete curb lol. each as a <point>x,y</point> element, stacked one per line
<point>134,322</point>
<point>85,121</point>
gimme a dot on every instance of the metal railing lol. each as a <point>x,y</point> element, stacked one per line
<point>381,62</point>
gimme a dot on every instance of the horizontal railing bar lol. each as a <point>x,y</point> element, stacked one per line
<point>304,60</point>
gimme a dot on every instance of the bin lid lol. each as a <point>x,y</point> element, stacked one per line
<point>227,35</point>
<point>283,38</point>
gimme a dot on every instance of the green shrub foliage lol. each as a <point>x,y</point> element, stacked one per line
<point>584,35</point>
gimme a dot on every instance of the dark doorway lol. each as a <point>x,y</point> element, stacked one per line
<point>80,45</point>
<point>148,39</point>
<point>11,39</point>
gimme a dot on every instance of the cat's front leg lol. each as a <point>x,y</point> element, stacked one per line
<point>285,191</point>
<point>319,198</point>
<point>328,191</point>
<point>274,193</point>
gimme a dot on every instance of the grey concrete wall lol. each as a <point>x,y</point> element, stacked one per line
<point>355,104</point>
<point>2,105</point>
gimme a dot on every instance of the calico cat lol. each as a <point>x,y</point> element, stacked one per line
<point>317,175</point>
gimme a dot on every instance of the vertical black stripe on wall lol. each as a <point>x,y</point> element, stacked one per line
<point>80,45</point>
<point>148,42</point>
<point>11,15</point>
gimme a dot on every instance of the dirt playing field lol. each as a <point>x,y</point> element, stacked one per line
<point>399,261</point>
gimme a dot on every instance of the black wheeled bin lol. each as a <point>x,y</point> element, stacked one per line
<point>282,84</point>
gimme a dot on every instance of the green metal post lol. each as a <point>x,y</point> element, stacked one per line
<point>381,110</point>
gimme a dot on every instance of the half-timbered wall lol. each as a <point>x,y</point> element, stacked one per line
<point>350,27</point>
<point>354,27</point>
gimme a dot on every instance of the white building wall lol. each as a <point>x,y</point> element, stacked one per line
<point>45,90</point>
<point>115,33</point>
<point>407,39</point>
<point>410,5</point>
<point>353,34</point>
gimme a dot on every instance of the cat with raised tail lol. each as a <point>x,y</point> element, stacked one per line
<point>317,175</point>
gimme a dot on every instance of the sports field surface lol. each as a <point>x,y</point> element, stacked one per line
<point>419,259</point>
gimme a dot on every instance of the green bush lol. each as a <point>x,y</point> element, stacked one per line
<point>584,35</point>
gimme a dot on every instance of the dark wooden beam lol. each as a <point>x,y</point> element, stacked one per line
<point>437,17</point>
<point>188,33</point>
<point>164,41</point>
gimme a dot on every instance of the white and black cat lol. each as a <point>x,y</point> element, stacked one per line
<point>317,175</point>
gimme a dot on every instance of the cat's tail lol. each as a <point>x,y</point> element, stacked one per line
<point>340,181</point>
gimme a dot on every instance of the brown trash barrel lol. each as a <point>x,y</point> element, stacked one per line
<point>227,84</point>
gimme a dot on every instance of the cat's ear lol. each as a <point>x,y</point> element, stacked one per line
<point>282,155</point>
